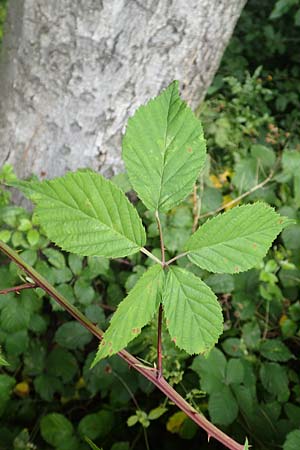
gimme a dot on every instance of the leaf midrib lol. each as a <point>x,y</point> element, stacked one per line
<point>164,151</point>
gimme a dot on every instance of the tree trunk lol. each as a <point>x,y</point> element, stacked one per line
<point>72,71</point>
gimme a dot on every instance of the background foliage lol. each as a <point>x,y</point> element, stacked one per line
<point>3,6</point>
<point>249,385</point>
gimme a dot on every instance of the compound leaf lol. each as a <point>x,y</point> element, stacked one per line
<point>236,240</point>
<point>193,315</point>
<point>133,313</point>
<point>84,213</point>
<point>163,150</point>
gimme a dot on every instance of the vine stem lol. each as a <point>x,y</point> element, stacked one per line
<point>17,289</point>
<point>160,311</point>
<point>133,362</point>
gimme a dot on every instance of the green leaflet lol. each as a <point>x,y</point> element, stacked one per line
<point>163,150</point>
<point>236,240</point>
<point>84,213</point>
<point>222,406</point>
<point>56,428</point>
<point>193,315</point>
<point>133,313</point>
<point>292,441</point>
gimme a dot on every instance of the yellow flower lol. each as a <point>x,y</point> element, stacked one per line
<point>22,389</point>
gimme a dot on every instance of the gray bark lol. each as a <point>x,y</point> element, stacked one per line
<point>72,71</point>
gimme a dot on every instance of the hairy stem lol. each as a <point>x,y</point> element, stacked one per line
<point>133,362</point>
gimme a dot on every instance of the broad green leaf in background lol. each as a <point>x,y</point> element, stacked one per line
<point>275,350</point>
<point>84,213</point>
<point>133,313</point>
<point>55,258</point>
<point>6,385</point>
<point>96,425</point>
<point>234,371</point>
<point>211,370</point>
<point>293,413</point>
<point>275,380</point>
<point>46,386</point>
<point>72,335</point>
<point>193,315</point>
<point>291,167</point>
<point>222,406</point>
<point>292,441</point>
<point>56,428</point>
<point>163,150</point>
<point>62,364</point>
<point>236,240</point>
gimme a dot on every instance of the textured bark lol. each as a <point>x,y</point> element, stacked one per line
<point>72,71</point>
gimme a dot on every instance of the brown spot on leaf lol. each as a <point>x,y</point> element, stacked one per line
<point>254,246</point>
<point>190,150</point>
<point>174,340</point>
<point>107,369</point>
<point>136,330</point>
<point>236,269</point>
<point>280,221</point>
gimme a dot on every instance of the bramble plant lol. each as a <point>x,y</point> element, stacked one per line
<point>83,213</point>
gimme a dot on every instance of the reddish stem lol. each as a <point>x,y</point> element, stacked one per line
<point>159,343</point>
<point>147,372</point>
<point>160,312</point>
<point>18,288</point>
